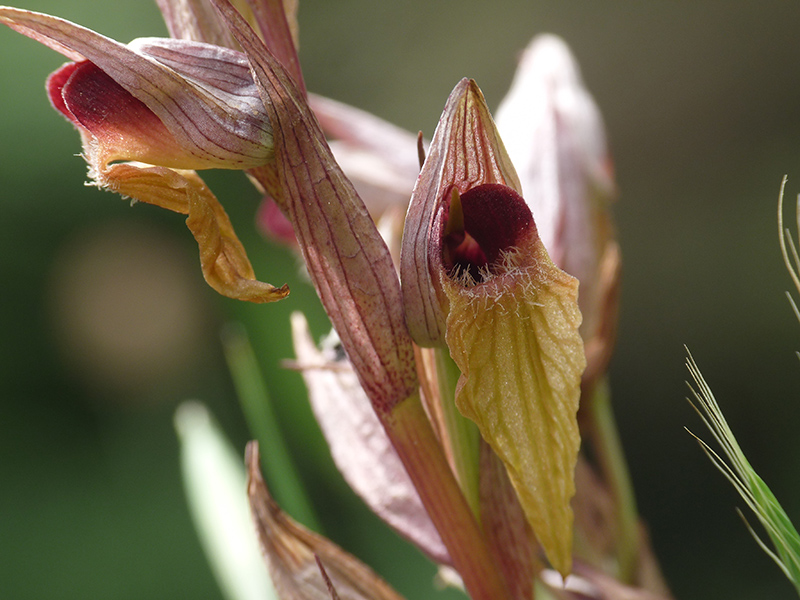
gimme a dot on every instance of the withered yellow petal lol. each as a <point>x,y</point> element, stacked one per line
<point>515,338</point>
<point>225,265</point>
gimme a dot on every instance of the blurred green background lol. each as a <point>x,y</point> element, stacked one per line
<point>106,324</point>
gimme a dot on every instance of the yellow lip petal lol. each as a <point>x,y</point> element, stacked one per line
<point>515,339</point>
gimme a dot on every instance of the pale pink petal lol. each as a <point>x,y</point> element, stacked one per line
<point>195,20</point>
<point>380,159</point>
<point>554,134</point>
<point>359,445</point>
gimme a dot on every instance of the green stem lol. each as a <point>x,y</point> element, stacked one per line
<point>464,437</point>
<point>611,458</point>
<point>256,405</point>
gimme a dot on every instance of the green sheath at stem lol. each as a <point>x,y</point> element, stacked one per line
<point>463,434</point>
<point>608,447</point>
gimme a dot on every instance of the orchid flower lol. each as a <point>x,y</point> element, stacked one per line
<point>477,278</point>
<point>460,386</point>
<point>162,108</point>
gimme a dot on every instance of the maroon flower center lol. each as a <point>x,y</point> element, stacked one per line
<point>482,226</point>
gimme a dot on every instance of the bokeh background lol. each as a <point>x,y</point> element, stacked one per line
<point>106,324</point>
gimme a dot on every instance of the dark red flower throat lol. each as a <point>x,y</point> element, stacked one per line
<point>481,226</point>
